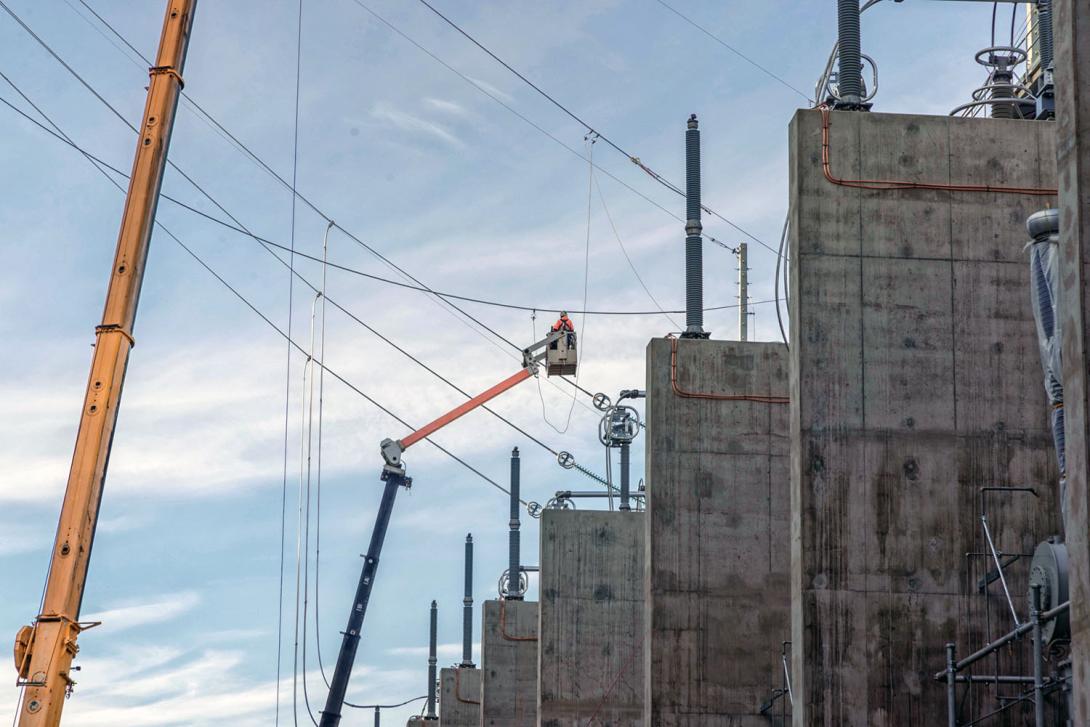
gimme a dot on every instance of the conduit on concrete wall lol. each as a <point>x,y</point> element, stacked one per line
<point>892,184</point>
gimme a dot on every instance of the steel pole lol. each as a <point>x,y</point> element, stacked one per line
<point>346,657</point>
<point>626,487</point>
<point>467,607</point>
<point>432,660</point>
<point>951,686</point>
<point>694,243</point>
<point>743,292</point>
<point>49,646</point>
<point>1038,656</point>
<point>513,536</point>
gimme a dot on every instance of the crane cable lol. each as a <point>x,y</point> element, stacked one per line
<point>287,406</point>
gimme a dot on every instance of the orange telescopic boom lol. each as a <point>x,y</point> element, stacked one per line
<point>459,411</point>
<point>44,650</point>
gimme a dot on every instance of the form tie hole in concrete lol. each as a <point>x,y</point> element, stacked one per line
<point>911,469</point>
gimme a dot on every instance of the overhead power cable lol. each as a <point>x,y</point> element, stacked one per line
<point>59,134</point>
<point>734,50</point>
<point>332,302</point>
<point>355,271</point>
<point>631,157</point>
<point>242,228</point>
<point>260,162</point>
<point>252,155</point>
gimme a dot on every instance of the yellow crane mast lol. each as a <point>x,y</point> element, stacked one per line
<point>44,651</point>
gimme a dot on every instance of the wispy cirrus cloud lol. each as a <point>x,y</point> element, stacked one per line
<point>447,107</point>
<point>160,609</point>
<point>414,124</point>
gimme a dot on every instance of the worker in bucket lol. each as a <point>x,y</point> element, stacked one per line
<point>564,324</point>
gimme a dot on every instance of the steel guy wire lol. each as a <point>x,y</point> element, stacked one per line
<point>631,157</point>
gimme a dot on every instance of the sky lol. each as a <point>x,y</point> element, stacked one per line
<point>191,558</point>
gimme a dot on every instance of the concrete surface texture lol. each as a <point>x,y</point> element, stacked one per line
<point>717,524</point>
<point>509,664</point>
<point>459,697</point>
<point>591,625</point>
<point>915,382</point>
<point>1072,24</point>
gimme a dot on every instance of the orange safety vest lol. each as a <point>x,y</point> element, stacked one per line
<point>563,324</point>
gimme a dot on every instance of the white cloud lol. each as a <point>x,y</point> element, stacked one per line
<point>166,607</point>
<point>414,124</point>
<point>448,107</point>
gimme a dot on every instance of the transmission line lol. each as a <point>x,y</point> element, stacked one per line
<point>734,50</point>
<point>631,157</point>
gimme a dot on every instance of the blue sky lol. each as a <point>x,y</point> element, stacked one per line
<point>442,180</point>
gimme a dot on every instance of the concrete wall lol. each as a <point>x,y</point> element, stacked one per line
<point>717,544</point>
<point>915,382</point>
<point>509,664</point>
<point>592,609</point>
<point>459,697</point>
<point>1071,22</point>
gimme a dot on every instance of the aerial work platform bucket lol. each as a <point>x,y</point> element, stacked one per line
<point>560,355</point>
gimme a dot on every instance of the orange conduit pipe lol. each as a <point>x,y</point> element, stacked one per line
<point>759,398</point>
<point>458,688</point>
<point>503,625</point>
<point>892,184</point>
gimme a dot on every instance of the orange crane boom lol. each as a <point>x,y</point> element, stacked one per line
<point>44,651</point>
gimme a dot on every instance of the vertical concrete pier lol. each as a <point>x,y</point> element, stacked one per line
<point>592,613</point>
<point>717,531</point>
<point>509,664</point>
<point>1072,23</point>
<point>460,697</point>
<point>915,381</point>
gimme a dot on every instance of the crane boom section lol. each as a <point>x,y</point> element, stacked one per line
<point>459,411</point>
<point>45,651</point>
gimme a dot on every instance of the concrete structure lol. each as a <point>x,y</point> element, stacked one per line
<point>509,664</point>
<point>717,544</point>
<point>591,625</point>
<point>915,381</point>
<point>1072,24</point>
<point>460,697</point>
